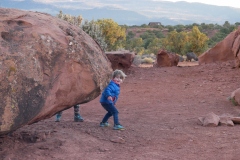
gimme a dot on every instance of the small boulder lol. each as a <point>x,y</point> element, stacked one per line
<point>226,120</point>
<point>200,121</point>
<point>120,59</point>
<point>116,139</point>
<point>166,59</point>
<point>236,120</point>
<point>210,120</point>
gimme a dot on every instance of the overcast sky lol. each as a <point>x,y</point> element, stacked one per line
<point>231,3</point>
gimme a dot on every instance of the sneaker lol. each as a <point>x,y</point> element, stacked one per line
<point>58,117</point>
<point>106,124</point>
<point>78,118</point>
<point>118,127</point>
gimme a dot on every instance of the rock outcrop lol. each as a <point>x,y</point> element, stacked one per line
<point>121,59</point>
<point>227,49</point>
<point>213,120</point>
<point>47,65</point>
<point>165,59</point>
<point>235,97</point>
<point>236,47</point>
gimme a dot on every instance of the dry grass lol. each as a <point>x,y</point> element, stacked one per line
<point>184,64</point>
<point>180,64</point>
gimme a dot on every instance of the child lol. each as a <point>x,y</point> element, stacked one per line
<point>109,98</point>
<point>77,116</point>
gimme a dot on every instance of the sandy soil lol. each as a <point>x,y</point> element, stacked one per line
<point>159,107</point>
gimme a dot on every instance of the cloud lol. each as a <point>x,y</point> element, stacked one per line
<point>134,3</point>
<point>67,1</point>
<point>85,4</point>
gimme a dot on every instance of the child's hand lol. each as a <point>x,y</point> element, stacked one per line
<point>110,98</point>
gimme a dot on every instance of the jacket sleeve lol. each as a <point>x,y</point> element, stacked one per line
<point>108,91</point>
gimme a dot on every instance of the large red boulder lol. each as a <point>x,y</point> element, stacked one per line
<point>227,49</point>
<point>47,65</point>
<point>236,47</point>
<point>166,59</point>
<point>121,59</point>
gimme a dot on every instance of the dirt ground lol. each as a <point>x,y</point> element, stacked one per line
<point>159,107</point>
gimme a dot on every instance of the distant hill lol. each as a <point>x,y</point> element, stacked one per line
<point>168,13</point>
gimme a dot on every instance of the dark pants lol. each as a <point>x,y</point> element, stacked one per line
<point>76,111</point>
<point>111,111</point>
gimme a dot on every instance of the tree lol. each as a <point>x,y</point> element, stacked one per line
<point>148,35</point>
<point>71,19</point>
<point>144,26</point>
<point>114,34</point>
<point>158,34</point>
<point>176,42</point>
<point>154,46</point>
<point>137,42</point>
<point>184,42</point>
<point>135,45</point>
<point>226,24</point>
<point>170,28</point>
<point>197,41</point>
<point>179,28</point>
<point>130,35</point>
<point>237,23</point>
<point>93,29</point>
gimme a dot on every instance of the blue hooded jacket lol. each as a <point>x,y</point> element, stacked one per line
<point>113,90</point>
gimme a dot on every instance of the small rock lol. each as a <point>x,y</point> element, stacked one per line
<point>117,140</point>
<point>43,147</point>
<point>226,121</point>
<point>210,120</point>
<point>236,120</point>
<point>200,121</point>
<point>103,149</point>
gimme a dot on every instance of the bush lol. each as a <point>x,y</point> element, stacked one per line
<point>137,60</point>
<point>148,60</point>
<point>94,30</point>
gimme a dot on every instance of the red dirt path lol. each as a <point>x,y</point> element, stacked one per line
<point>158,107</point>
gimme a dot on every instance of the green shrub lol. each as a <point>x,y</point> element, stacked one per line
<point>148,60</point>
<point>233,101</point>
<point>137,60</point>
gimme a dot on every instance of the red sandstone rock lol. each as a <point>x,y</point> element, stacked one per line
<point>236,47</point>
<point>236,120</point>
<point>47,65</point>
<point>211,120</point>
<point>121,59</point>
<point>227,49</point>
<point>165,59</point>
<point>226,120</point>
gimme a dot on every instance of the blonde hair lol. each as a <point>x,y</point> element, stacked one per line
<point>119,72</point>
